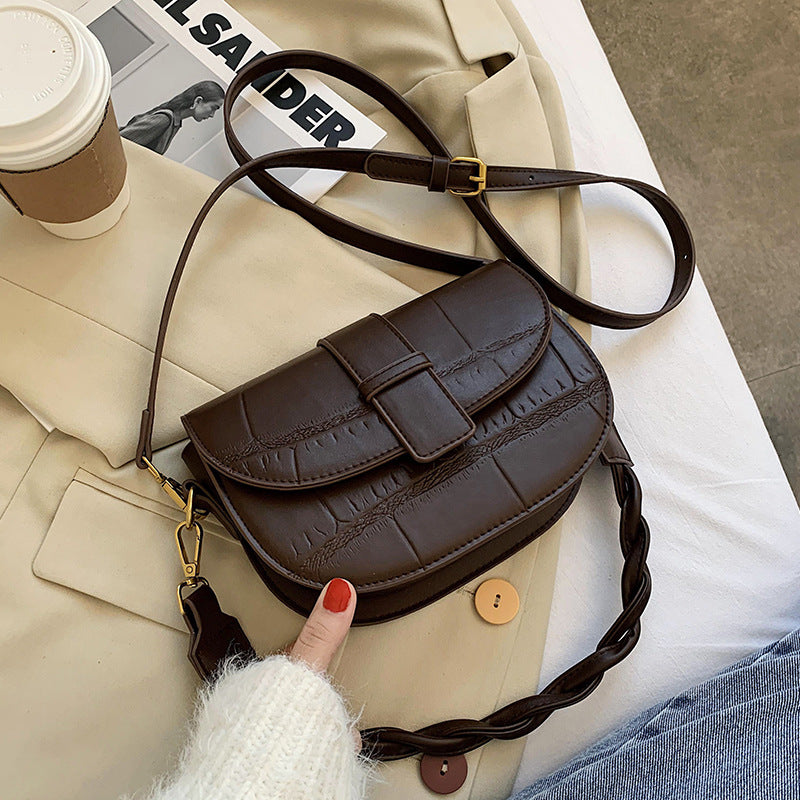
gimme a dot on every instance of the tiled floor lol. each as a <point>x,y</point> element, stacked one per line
<point>715,88</point>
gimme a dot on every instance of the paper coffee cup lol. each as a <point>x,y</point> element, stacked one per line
<point>61,157</point>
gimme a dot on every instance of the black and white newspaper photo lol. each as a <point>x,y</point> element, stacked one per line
<point>171,62</point>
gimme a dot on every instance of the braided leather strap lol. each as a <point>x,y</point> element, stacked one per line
<point>523,716</point>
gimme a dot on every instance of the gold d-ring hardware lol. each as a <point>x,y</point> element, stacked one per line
<point>171,487</point>
<point>182,585</point>
<point>191,514</point>
<point>480,178</point>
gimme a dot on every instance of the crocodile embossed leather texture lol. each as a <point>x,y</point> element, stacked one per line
<point>409,452</point>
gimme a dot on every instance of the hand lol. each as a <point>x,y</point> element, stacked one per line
<point>327,626</point>
<point>326,629</point>
<point>220,746</point>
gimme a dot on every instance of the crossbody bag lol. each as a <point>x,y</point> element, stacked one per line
<point>410,452</point>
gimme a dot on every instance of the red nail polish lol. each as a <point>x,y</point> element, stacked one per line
<point>337,596</point>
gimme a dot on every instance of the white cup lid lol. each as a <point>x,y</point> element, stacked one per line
<point>54,82</point>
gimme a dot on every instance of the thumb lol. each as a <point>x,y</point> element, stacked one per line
<point>327,626</point>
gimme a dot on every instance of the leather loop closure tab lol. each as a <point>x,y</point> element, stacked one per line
<point>440,173</point>
<point>393,373</point>
<point>401,384</point>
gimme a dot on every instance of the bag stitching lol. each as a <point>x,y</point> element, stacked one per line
<point>482,569</point>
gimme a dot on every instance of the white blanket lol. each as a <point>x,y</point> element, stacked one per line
<point>725,556</point>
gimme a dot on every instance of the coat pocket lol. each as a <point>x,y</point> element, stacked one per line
<point>119,547</point>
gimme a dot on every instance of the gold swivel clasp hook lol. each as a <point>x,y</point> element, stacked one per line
<point>191,566</point>
<point>176,492</point>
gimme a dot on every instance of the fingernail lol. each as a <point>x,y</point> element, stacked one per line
<point>337,596</point>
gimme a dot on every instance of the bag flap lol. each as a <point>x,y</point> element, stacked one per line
<point>402,383</point>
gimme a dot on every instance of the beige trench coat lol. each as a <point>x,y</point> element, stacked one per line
<point>95,689</point>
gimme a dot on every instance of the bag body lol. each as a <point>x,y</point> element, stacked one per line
<point>408,452</point>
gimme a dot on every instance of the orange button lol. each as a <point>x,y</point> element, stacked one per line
<point>497,601</point>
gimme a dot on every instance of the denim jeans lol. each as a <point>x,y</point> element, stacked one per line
<point>734,737</point>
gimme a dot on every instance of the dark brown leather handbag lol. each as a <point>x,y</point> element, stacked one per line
<point>411,452</point>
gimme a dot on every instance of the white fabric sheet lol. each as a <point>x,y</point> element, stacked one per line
<point>725,556</point>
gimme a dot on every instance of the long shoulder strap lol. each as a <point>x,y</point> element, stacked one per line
<point>466,177</point>
<point>439,172</point>
<point>215,635</point>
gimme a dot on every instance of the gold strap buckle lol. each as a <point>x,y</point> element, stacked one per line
<point>480,178</point>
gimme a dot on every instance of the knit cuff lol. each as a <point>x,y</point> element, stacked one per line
<point>271,729</point>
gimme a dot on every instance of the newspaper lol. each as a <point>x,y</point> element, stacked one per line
<point>171,61</point>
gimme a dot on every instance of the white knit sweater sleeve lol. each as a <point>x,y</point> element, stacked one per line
<point>271,730</point>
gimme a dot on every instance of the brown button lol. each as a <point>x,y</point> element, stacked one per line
<point>497,601</point>
<point>443,774</point>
